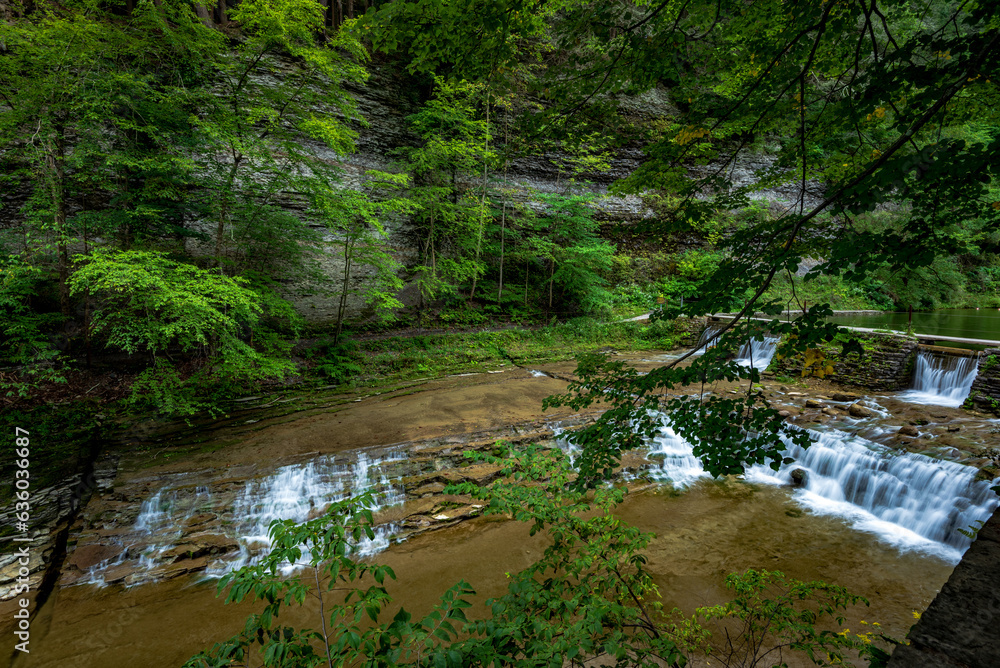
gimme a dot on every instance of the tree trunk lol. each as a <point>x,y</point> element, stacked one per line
<point>482,201</point>
<point>552,274</point>
<point>503,223</point>
<point>203,14</point>
<point>57,167</point>
<point>221,9</point>
<point>525,282</point>
<point>350,9</point>
<point>343,292</point>
<point>220,229</point>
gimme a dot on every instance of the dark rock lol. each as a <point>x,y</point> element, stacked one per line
<point>814,403</point>
<point>845,396</point>
<point>799,477</point>
<point>954,427</point>
<point>859,411</point>
<point>960,626</point>
<point>908,430</point>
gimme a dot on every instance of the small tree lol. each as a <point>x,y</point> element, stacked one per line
<point>355,217</point>
<point>451,216</point>
<point>151,304</point>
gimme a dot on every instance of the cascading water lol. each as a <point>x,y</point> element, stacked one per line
<point>944,380</point>
<point>910,500</point>
<point>758,353</point>
<point>299,493</point>
<point>708,339</point>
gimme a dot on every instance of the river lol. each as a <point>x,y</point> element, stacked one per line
<point>709,529</point>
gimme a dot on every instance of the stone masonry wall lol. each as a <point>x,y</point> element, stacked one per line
<point>985,393</point>
<point>886,365</point>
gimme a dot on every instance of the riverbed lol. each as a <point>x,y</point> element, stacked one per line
<point>705,531</point>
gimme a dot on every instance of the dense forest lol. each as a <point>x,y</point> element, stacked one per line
<point>175,175</point>
<point>200,200</point>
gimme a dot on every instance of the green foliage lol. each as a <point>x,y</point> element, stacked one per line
<point>259,134</point>
<point>450,213</point>
<point>151,304</point>
<point>771,615</point>
<point>24,340</point>
<point>338,363</point>
<point>356,218</point>
<point>589,597</point>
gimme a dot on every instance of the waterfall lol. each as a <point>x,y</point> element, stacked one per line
<point>755,352</point>
<point>907,499</point>
<point>758,352</point>
<point>707,339</point>
<point>297,492</point>
<point>300,493</point>
<point>944,380</point>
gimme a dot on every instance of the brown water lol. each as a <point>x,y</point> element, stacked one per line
<point>713,529</point>
<point>703,534</point>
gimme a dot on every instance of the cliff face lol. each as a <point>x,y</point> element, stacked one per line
<point>384,103</point>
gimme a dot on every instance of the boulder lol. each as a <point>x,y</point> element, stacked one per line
<point>799,477</point>
<point>908,430</point>
<point>845,396</point>
<point>954,427</point>
<point>859,411</point>
<point>814,403</point>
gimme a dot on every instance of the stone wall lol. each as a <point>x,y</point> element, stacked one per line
<point>959,629</point>
<point>886,364</point>
<point>985,393</point>
<point>690,330</point>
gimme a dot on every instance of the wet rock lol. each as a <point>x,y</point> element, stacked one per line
<point>799,477</point>
<point>845,396</point>
<point>462,512</point>
<point>859,411</point>
<point>200,546</point>
<point>952,428</point>
<point>785,414</point>
<point>920,422</point>
<point>829,411</point>
<point>480,474</point>
<point>169,571</point>
<point>814,403</point>
<point>908,430</point>
<point>430,488</point>
<point>86,556</point>
<point>200,518</point>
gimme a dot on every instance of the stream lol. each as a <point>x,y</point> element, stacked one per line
<point>877,510</point>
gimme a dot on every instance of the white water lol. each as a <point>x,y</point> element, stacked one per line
<point>708,339</point>
<point>909,500</point>
<point>758,353</point>
<point>302,492</point>
<point>298,493</point>
<point>944,380</point>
